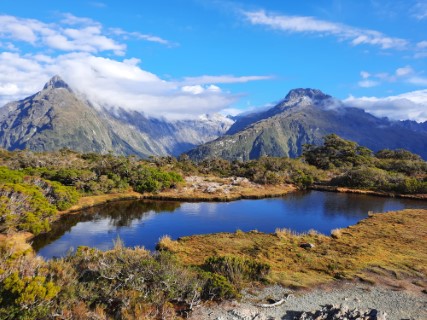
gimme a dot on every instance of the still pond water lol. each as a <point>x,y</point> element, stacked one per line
<point>142,223</point>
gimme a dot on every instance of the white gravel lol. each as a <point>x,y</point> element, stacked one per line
<point>395,304</point>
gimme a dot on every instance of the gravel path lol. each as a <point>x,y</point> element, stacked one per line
<point>390,303</point>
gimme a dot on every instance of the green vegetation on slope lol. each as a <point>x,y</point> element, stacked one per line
<point>34,186</point>
<point>397,171</point>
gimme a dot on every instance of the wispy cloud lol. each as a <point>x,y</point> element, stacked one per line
<point>421,50</point>
<point>411,105</point>
<point>368,83</point>
<point>404,74</point>
<point>420,10</point>
<point>304,24</point>
<point>98,4</point>
<point>224,79</point>
<point>71,34</point>
<point>139,36</point>
<point>85,35</point>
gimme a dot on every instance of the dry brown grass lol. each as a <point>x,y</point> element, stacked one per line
<point>90,201</point>
<point>166,242</point>
<point>392,243</point>
<point>17,242</point>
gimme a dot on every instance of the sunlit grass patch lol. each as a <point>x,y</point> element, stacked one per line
<point>391,244</point>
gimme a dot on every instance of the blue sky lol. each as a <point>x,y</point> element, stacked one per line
<point>180,58</point>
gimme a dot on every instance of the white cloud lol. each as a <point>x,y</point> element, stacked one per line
<point>405,71</point>
<point>71,34</point>
<point>72,50</point>
<point>71,19</point>
<point>206,79</point>
<point>420,10</point>
<point>368,83</point>
<point>98,4</point>
<point>302,24</point>
<point>365,74</point>
<point>418,80</point>
<point>198,89</point>
<point>421,50</point>
<point>411,105</point>
<point>140,36</point>
<point>404,74</point>
<point>111,83</point>
<point>86,36</point>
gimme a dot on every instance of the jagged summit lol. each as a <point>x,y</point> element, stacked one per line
<point>56,82</point>
<point>57,117</point>
<point>305,116</point>
<point>313,94</point>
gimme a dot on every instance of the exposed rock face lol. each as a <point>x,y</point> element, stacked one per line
<point>56,117</point>
<point>305,116</point>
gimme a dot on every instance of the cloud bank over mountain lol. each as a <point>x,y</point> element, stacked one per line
<point>89,58</point>
<point>411,105</point>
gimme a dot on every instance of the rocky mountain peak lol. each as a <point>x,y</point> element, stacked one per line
<point>56,82</point>
<point>313,94</point>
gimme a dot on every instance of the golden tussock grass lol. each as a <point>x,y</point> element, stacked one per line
<point>91,201</point>
<point>391,244</point>
<point>16,242</point>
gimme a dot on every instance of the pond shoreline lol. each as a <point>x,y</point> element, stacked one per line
<point>328,188</point>
<point>192,193</point>
<point>185,194</point>
<point>259,192</point>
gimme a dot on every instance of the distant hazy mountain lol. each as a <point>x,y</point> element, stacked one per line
<point>305,116</point>
<point>57,117</point>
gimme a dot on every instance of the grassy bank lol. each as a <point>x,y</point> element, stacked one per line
<point>369,192</point>
<point>227,192</point>
<point>390,244</point>
<point>91,201</point>
<point>205,189</point>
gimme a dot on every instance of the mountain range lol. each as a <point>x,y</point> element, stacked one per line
<point>58,117</point>
<point>305,116</point>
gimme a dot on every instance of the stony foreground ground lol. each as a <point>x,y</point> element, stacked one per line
<point>387,302</point>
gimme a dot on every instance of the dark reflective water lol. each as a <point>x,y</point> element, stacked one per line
<point>142,223</point>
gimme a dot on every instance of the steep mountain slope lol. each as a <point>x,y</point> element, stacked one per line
<point>57,117</point>
<point>305,116</point>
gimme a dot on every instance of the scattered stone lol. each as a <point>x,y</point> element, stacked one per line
<point>306,245</point>
<point>274,303</point>
<point>342,312</point>
<point>211,189</point>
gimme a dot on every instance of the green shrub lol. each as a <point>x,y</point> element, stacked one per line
<point>301,179</point>
<point>149,179</point>
<point>363,177</point>
<point>237,269</point>
<point>398,154</point>
<point>217,287</point>
<point>63,196</point>
<point>24,207</point>
<point>26,297</point>
<point>11,176</point>
<point>336,152</point>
